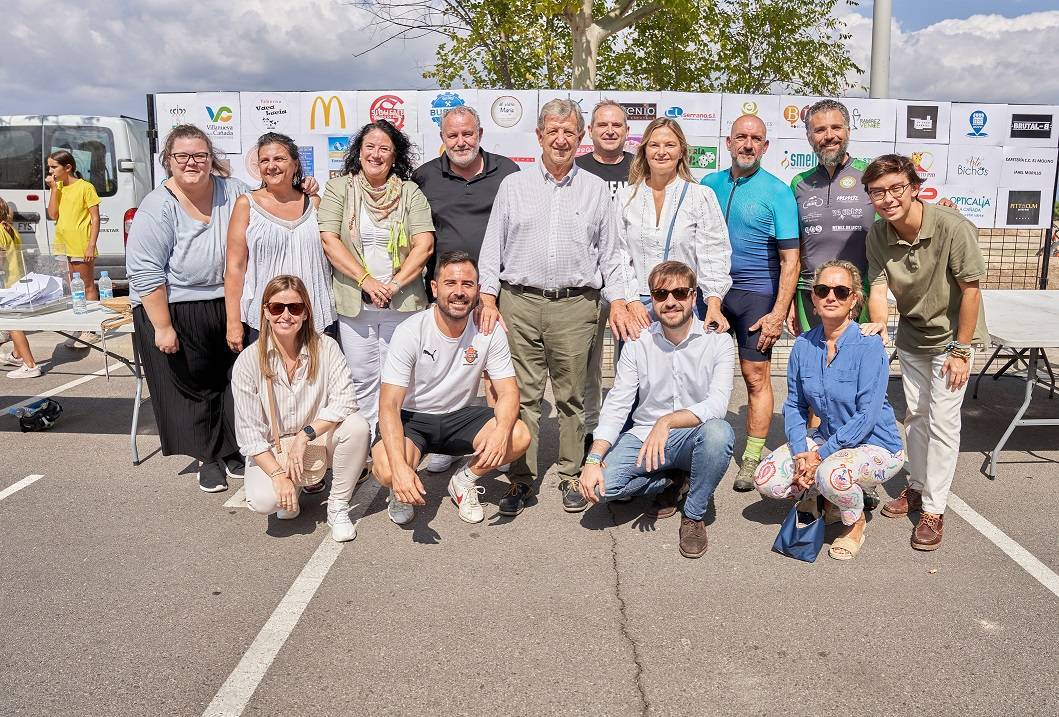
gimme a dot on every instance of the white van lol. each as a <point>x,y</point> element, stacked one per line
<point>111,152</point>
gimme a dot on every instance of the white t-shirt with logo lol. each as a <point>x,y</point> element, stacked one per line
<point>443,373</point>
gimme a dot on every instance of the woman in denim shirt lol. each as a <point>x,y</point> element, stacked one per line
<point>841,376</point>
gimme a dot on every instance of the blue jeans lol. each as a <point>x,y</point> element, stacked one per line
<point>703,451</point>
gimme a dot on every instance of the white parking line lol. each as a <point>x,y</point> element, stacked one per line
<point>235,693</point>
<point>57,390</point>
<point>1025,559</point>
<point>238,500</point>
<point>11,490</point>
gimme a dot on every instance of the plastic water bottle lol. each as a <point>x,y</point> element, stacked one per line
<point>106,286</point>
<point>77,293</point>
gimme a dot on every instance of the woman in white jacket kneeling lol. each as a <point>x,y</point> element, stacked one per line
<point>296,412</point>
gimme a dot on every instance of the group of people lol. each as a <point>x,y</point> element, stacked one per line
<point>284,332</point>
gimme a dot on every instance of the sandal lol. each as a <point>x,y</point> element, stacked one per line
<point>846,548</point>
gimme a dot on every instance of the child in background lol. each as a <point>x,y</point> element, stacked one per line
<point>74,206</point>
<point>11,246</point>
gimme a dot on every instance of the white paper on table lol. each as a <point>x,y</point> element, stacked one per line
<point>31,289</point>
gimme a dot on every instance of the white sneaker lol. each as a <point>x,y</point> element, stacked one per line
<point>439,463</point>
<point>342,528</point>
<point>400,513</point>
<point>466,497</point>
<point>8,358</point>
<point>73,344</point>
<point>24,372</point>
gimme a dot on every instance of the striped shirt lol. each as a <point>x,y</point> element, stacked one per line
<point>329,398</point>
<point>552,234</point>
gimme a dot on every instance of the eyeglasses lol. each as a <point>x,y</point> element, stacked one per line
<point>679,293</point>
<point>896,191</point>
<point>276,308</point>
<point>841,292</point>
<point>184,157</point>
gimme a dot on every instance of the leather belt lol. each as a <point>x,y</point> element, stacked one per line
<point>552,294</point>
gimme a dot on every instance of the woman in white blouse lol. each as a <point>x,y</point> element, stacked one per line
<point>274,231</point>
<point>313,393</point>
<point>663,214</point>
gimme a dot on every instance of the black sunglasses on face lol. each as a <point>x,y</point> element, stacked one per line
<point>679,293</point>
<point>841,292</point>
<point>276,308</point>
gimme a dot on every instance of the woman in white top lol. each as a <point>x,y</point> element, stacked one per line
<point>664,214</point>
<point>274,231</point>
<point>313,393</point>
<point>378,234</point>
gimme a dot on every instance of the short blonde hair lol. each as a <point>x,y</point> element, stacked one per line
<point>857,283</point>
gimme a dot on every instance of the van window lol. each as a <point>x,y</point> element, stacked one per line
<point>93,150</point>
<point>21,158</point>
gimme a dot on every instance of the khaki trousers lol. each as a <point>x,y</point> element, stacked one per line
<point>594,379</point>
<point>551,339</point>
<point>932,426</point>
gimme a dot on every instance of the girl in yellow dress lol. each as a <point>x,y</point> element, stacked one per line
<point>74,207</point>
<point>11,247</point>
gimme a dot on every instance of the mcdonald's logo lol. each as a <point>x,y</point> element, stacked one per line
<point>327,105</point>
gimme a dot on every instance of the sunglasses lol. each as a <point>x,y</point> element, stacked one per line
<point>276,308</point>
<point>841,292</point>
<point>679,293</point>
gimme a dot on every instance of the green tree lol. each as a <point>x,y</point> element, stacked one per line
<point>694,45</point>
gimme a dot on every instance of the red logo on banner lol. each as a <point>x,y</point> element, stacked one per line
<point>928,193</point>
<point>389,108</point>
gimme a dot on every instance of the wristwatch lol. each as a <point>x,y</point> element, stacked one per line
<point>310,432</point>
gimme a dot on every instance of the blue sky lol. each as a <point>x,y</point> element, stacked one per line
<point>917,14</point>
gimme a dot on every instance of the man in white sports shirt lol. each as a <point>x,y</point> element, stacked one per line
<point>433,369</point>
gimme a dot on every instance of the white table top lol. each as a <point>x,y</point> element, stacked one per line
<point>1022,318</point>
<point>65,320</point>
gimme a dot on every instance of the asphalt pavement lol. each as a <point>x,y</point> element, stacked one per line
<point>128,591</point>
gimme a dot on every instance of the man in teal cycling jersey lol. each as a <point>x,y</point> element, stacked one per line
<point>762,221</point>
<point>834,211</point>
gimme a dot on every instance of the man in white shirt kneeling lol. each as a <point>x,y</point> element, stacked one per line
<point>682,377</point>
<point>435,363</point>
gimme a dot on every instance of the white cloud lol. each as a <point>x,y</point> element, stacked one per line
<point>984,58</point>
<point>103,56</point>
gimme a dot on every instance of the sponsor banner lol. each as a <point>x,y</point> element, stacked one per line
<point>767,107</point>
<point>337,146</point>
<point>585,99</point>
<point>787,157</point>
<point>978,166</point>
<point>640,107</point>
<point>219,114</point>
<point>923,122</point>
<point>433,103</point>
<point>871,120</point>
<point>269,112</point>
<point>328,113</point>
<point>1023,208</point>
<point>521,148</point>
<point>705,155</point>
<point>399,107</point>
<point>979,124</point>
<point>1029,168</point>
<point>312,151</point>
<point>977,203</point>
<point>868,151</point>
<point>793,111</point>
<point>174,109</point>
<point>698,114</point>
<point>1032,126</point>
<point>931,160</point>
<point>507,110</point>
<point>427,147</point>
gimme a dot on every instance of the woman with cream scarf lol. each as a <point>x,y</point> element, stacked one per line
<point>377,233</point>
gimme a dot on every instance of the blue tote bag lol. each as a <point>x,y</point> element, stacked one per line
<point>801,542</point>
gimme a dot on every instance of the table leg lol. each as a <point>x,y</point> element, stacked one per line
<point>1031,378</point>
<point>985,369</point>
<point>1016,357</point>
<point>138,370</point>
<point>1051,374</point>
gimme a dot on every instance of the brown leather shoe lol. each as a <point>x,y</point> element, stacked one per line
<point>927,535</point>
<point>692,538</point>
<point>665,503</point>
<point>908,501</point>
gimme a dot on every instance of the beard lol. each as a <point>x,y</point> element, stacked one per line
<point>463,159</point>
<point>457,312</point>
<point>832,157</point>
<point>745,162</point>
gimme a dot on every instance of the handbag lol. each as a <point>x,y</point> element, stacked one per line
<point>801,542</point>
<point>314,461</point>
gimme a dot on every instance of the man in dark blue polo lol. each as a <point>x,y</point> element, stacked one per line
<point>460,186</point>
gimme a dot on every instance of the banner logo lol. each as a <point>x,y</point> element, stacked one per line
<point>1025,126</point>
<point>703,157</point>
<point>1024,207</point>
<point>923,161</point>
<point>389,108</point>
<point>506,111</point>
<point>444,101</point>
<point>674,112</point>
<point>922,122</point>
<point>221,114</point>
<point>978,121</point>
<point>750,108</point>
<point>327,106</point>
<point>642,111</point>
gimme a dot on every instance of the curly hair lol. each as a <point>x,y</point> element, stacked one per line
<point>404,154</point>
